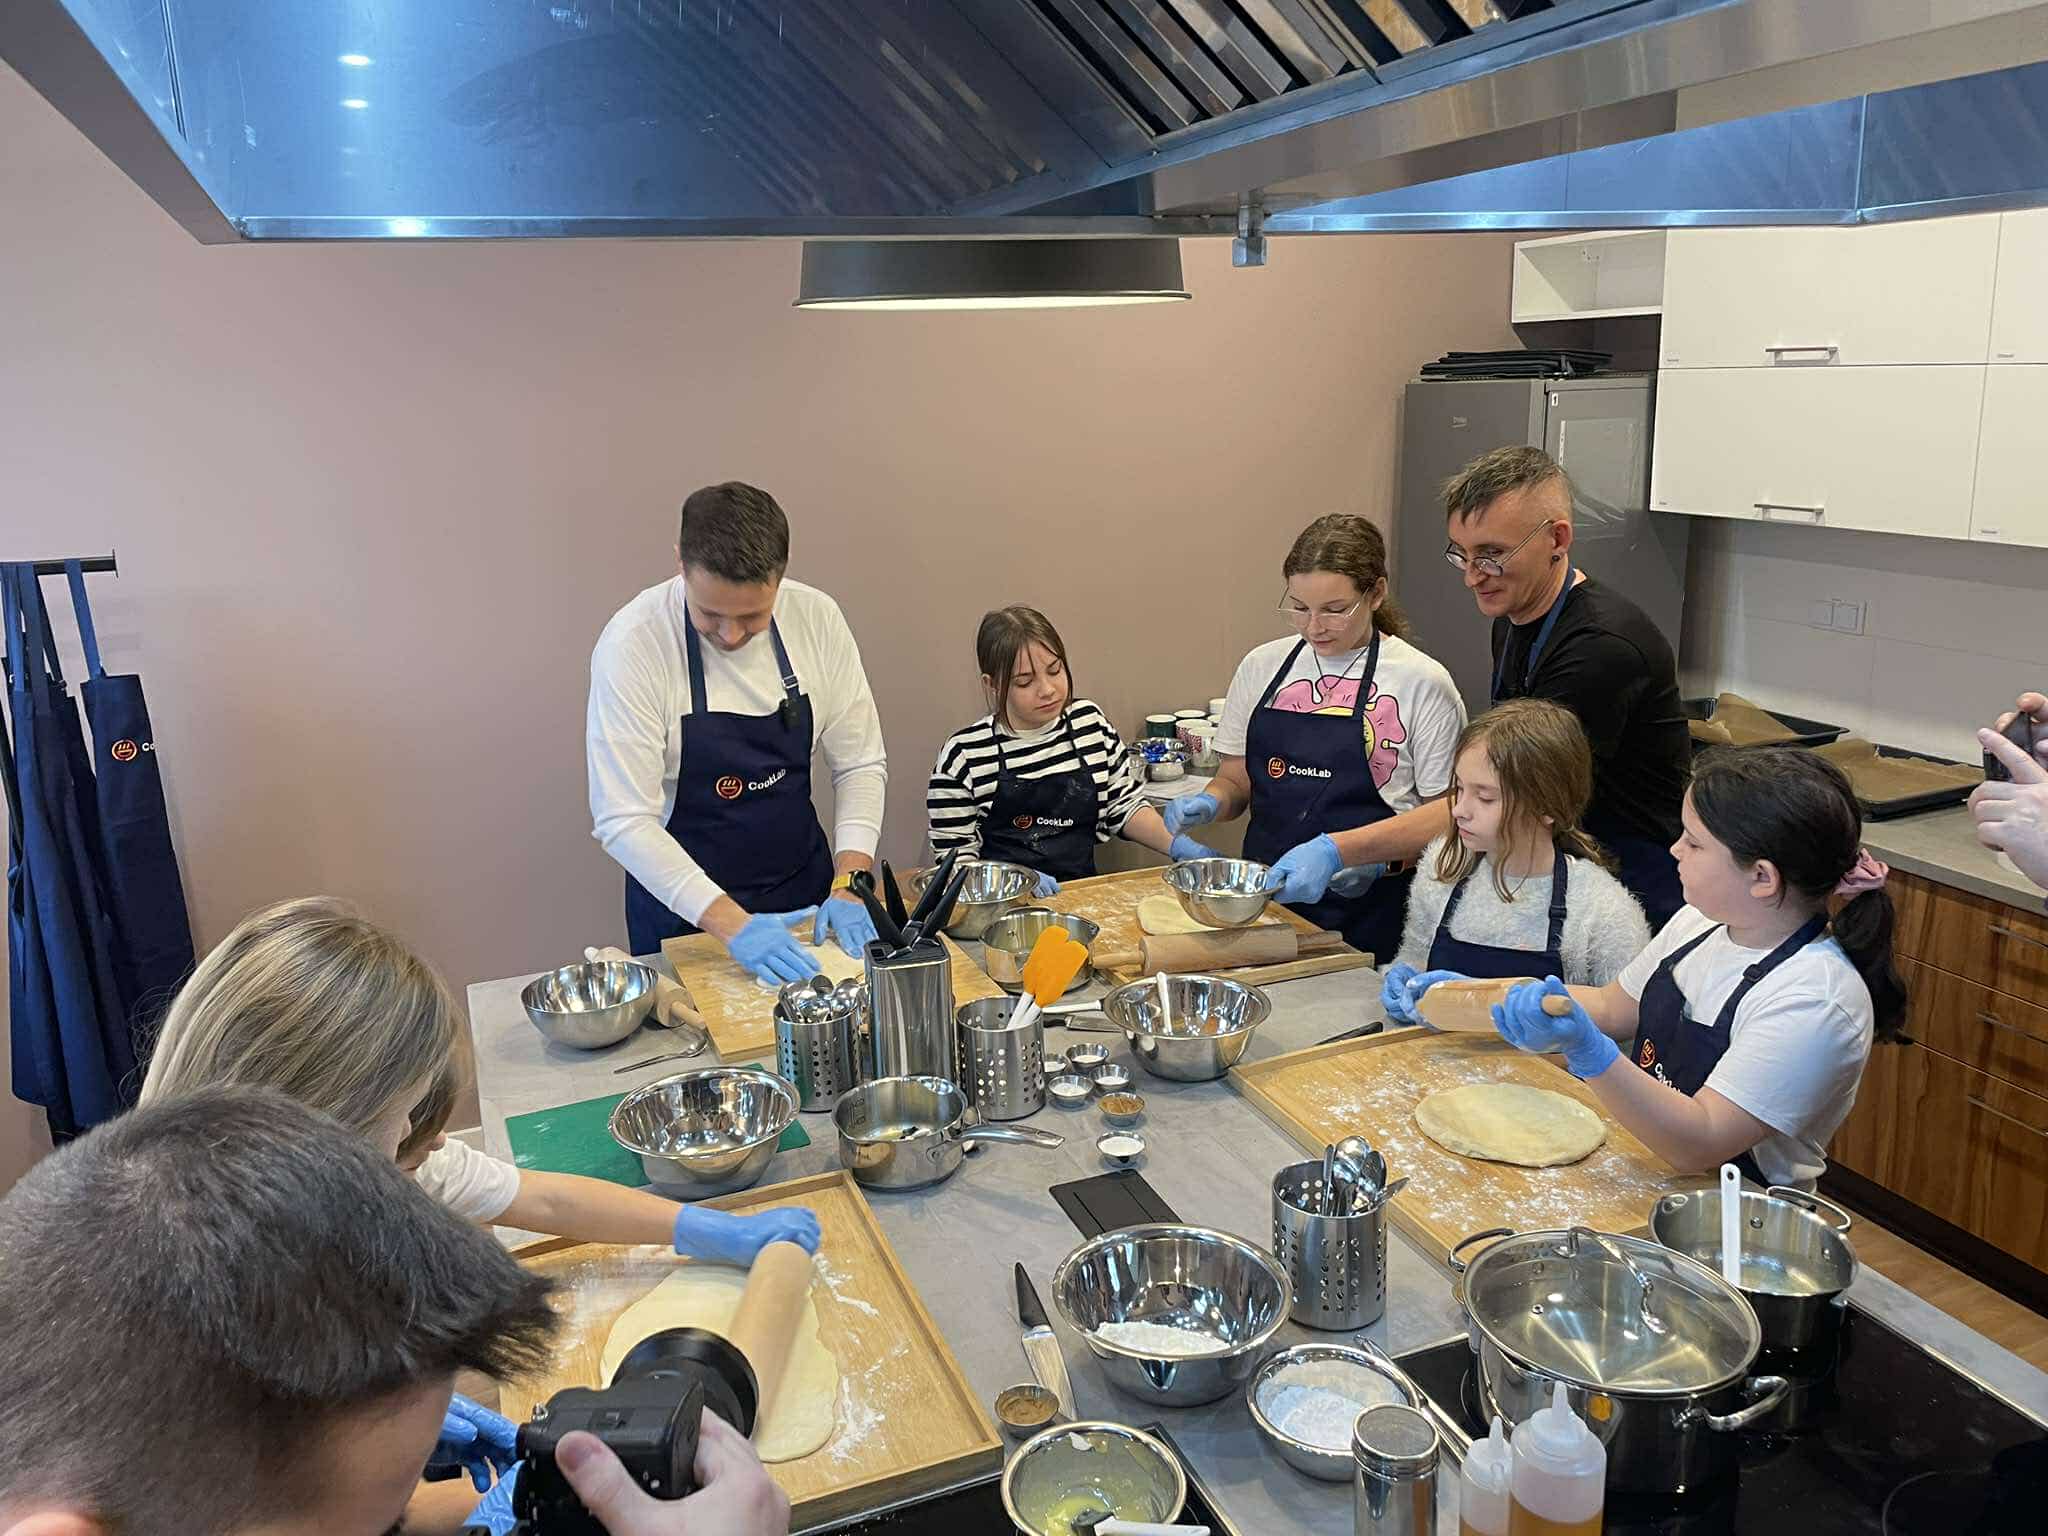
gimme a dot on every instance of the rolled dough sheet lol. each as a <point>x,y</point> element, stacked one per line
<point>827,960</point>
<point>1511,1123</point>
<point>803,1413</point>
<point>1161,915</point>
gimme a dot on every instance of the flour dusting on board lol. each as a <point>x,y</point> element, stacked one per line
<point>839,1283</point>
<point>1374,1094</point>
<point>863,1406</point>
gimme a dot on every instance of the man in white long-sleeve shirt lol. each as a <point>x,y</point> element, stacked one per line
<point>708,696</point>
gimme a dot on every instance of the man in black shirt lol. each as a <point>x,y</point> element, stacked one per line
<point>1559,635</point>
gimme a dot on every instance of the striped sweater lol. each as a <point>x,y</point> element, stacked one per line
<point>963,784</point>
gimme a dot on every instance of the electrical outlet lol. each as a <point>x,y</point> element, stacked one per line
<point>1848,617</point>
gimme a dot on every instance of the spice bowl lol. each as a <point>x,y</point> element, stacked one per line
<point>1111,1077</point>
<point>1121,1149</point>
<point>1299,1399</point>
<point>1124,1109</point>
<point>1070,1090</point>
<point>1025,1409</point>
<point>1057,1065</point>
<point>1086,1058</point>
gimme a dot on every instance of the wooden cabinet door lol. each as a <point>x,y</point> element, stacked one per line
<point>1997,1035</point>
<point>2001,947</point>
<point>1914,292</point>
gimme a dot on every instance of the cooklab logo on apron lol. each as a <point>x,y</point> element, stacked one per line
<point>729,786</point>
<point>1022,823</point>
<point>124,751</point>
<point>1276,767</point>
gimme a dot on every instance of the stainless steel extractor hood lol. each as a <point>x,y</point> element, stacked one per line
<point>393,119</point>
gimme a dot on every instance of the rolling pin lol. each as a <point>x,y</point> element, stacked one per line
<point>1273,944</point>
<point>671,1002</point>
<point>764,1327</point>
<point>1466,1007</point>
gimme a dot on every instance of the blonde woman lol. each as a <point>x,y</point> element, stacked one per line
<point>314,999</point>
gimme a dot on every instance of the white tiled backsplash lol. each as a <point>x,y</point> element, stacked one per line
<point>1951,631</point>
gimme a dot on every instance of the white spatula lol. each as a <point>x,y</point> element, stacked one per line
<point>1731,1224</point>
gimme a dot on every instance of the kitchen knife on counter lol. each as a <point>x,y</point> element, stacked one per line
<point>1042,1345</point>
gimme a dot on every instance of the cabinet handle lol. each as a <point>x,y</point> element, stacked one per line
<point>2024,1034</point>
<point>2013,933</point>
<point>2001,1114</point>
<point>1764,509</point>
<point>1827,349</point>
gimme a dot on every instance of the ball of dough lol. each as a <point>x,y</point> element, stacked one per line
<point>1511,1123</point>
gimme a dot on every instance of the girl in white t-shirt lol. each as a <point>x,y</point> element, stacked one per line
<point>1518,888</point>
<point>311,998</point>
<point>1750,1016</point>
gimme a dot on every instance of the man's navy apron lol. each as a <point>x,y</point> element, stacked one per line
<point>1312,774</point>
<point>1645,865</point>
<point>1497,960</point>
<point>1674,1048</point>
<point>1046,824</point>
<point>145,896</point>
<point>743,806</point>
<point>72,1053</point>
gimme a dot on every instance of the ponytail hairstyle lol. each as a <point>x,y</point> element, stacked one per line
<point>1796,810</point>
<point>1539,751</point>
<point>1348,545</point>
<point>1003,634</point>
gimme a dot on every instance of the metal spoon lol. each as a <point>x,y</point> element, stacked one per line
<point>1353,1155</point>
<point>1103,1523</point>
<point>1330,1204</point>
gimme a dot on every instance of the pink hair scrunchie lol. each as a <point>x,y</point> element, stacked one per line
<point>1868,875</point>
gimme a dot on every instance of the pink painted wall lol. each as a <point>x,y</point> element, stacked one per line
<point>373,504</point>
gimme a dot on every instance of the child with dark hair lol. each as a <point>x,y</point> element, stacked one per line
<point>1750,1016</point>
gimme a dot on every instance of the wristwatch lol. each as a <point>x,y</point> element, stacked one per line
<point>841,882</point>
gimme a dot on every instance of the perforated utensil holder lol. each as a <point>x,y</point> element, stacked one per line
<point>818,1044</point>
<point>1337,1265</point>
<point>1002,1070</point>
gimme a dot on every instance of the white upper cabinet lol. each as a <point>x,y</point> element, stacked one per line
<point>2019,308</point>
<point>2012,495</point>
<point>1888,450</point>
<point>1917,292</point>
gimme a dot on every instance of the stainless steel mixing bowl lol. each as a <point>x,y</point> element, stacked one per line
<point>590,1004</point>
<point>991,890</point>
<point>1206,1029</point>
<point>707,1132</point>
<point>1093,1467</point>
<point>1230,1293</point>
<point>1224,893</point>
<point>1006,943</point>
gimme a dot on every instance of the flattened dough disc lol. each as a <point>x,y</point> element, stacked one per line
<point>804,1413</point>
<point>1162,915</point>
<point>1511,1123</point>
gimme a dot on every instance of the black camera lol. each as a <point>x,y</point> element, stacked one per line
<point>648,1416</point>
<point>2024,732</point>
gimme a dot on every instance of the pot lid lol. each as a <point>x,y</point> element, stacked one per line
<point>1611,1313</point>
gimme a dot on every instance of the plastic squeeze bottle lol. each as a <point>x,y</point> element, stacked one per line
<point>1559,1484</point>
<point>1483,1485</point>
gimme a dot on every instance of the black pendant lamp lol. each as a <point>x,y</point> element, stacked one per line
<point>988,274</point>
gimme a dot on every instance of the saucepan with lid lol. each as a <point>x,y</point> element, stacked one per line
<point>1796,1262</point>
<point>1653,1349</point>
<point>907,1132</point>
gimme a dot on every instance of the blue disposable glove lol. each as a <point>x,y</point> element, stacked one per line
<point>726,1238</point>
<point>1304,871</point>
<point>1183,848</point>
<point>1186,811</point>
<point>766,947</point>
<point>1523,1023</point>
<point>847,920</point>
<point>1047,886</point>
<point>475,1439</point>
<point>495,1512</point>
<point>1403,989</point>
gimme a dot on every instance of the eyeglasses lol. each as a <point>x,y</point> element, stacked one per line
<point>1301,617</point>
<point>1493,565</point>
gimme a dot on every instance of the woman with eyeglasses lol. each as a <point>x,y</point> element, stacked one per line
<point>1337,726</point>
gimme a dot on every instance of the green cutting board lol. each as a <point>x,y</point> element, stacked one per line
<point>577,1138</point>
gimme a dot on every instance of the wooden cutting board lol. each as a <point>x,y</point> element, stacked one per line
<point>1112,901</point>
<point>741,1015</point>
<point>1370,1088</point>
<point>908,1420</point>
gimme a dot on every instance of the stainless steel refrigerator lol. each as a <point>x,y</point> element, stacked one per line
<point>1599,429</point>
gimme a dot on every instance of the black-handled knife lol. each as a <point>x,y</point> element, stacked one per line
<point>894,893</point>
<point>1042,1345</point>
<point>863,885</point>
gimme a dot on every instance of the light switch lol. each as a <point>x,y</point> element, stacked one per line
<point>1848,617</point>
<point>1820,613</point>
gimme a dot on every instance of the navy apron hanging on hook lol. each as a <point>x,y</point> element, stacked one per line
<point>72,1054</point>
<point>145,896</point>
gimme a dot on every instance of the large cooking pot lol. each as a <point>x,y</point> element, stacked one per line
<point>907,1132</point>
<point>1795,1261</point>
<point>1653,1349</point>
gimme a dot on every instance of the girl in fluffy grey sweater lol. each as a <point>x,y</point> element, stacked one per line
<point>1518,888</point>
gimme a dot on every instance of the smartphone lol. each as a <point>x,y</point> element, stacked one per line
<point>2024,732</point>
